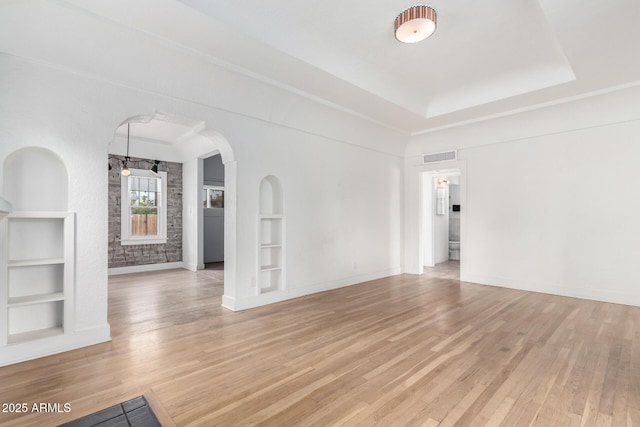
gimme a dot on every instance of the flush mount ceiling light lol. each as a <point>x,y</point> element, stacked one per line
<point>415,24</point>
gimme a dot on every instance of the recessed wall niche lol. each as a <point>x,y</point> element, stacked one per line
<point>37,249</point>
<point>271,196</point>
<point>270,236</point>
<point>35,179</point>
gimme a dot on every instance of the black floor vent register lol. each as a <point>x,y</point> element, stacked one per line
<point>132,413</point>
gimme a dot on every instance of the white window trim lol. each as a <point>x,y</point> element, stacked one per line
<point>125,218</point>
<point>211,187</point>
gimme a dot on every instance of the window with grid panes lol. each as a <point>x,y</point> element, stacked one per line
<point>144,208</point>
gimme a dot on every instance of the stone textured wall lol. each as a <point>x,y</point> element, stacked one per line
<point>123,256</point>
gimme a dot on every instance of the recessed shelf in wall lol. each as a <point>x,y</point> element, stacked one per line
<point>38,264</point>
<point>35,335</point>
<point>270,268</point>
<point>271,248</point>
<point>40,214</point>
<point>37,257</point>
<point>35,299</point>
<point>34,262</point>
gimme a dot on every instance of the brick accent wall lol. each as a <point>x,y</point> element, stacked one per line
<point>123,256</point>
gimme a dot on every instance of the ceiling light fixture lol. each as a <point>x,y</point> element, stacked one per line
<point>415,24</point>
<point>125,170</point>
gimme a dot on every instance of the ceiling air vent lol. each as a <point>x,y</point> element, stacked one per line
<point>443,156</point>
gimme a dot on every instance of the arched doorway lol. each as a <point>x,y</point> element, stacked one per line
<point>194,143</point>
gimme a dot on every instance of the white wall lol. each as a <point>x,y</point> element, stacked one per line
<point>548,204</point>
<point>37,111</point>
<point>342,204</point>
<point>428,207</point>
<point>441,225</point>
<point>343,200</point>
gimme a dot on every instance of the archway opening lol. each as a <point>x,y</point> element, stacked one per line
<point>176,146</point>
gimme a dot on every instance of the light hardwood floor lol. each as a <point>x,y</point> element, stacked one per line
<point>406,350</point>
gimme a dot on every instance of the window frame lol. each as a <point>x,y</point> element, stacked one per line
<point>208,188</point>
<point>126,239</point>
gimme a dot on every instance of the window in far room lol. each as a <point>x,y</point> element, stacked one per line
<point>213,197</point>
<point>144,208</point>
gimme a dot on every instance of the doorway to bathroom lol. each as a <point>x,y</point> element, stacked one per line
<point>441,212</point>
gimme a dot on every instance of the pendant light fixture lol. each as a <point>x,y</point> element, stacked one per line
<point>154,168</point>
<point>415,24</point>
<point>125,169</point>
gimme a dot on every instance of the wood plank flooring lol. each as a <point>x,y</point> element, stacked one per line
<point>406,350</point>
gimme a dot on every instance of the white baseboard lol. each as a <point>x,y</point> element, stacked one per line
<point>602,295</point>
<point>28,350</point>
<point>146,267</point>
<point>229,303</point>
<point>238,304</point>
<point>190,267</point>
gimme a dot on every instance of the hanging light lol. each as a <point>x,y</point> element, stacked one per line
<point>125,169</point>
<point>154,168</point>
<point>415,24</point>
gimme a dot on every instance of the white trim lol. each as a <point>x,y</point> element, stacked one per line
<point>143,241</point>
<point>4,283</point>
<point>28,350</point>
<point>208,188</point>
<point>146,267</point>
<point>238,304</point>
<point>193,267</point>
<point>528,108</point>
<point>413,211</point>
<point>229,303</point>
<point>5,208</point>
<point>602,295</point>
<point>125,218</point>
<point>40,214</point>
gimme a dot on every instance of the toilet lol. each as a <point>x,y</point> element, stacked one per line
<point>454,250</point>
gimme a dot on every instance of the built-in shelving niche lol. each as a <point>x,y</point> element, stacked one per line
<point>37,244</point>
<point>271,241</point>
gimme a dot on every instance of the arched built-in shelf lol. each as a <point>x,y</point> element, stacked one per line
<point>37,250</point>
<point>270,233</point>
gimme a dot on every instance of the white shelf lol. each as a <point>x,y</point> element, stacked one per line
<point>270,268</point>
<point>5,208</point>
<point>34,262</point>
<point>38,264</point>
<point>35,299</point>
<point>39,214</point>
<point>35,335</point>
<point>271,242</point>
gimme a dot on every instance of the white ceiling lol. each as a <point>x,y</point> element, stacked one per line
<point>485,59</point>
<point>469,61</point>
<point>160,128</point>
